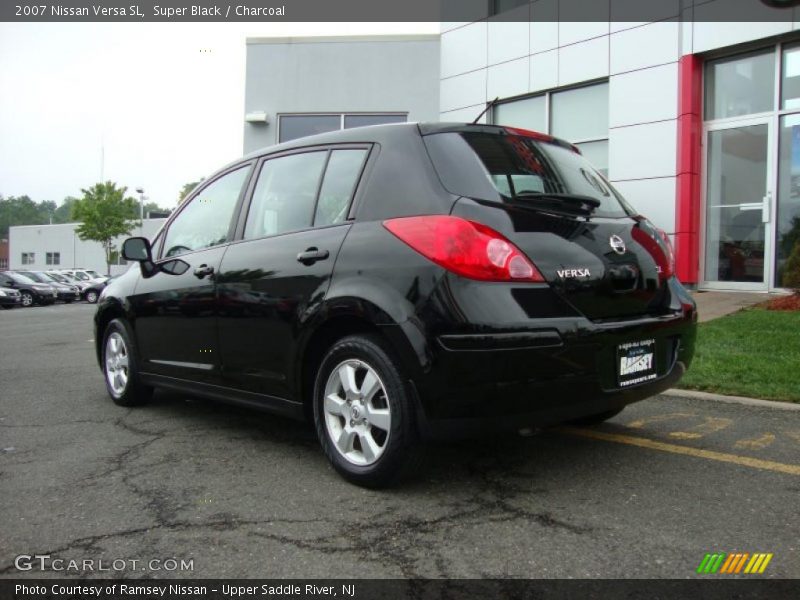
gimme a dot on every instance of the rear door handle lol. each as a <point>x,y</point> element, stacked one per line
<point>203,271</point>
<point>312,255</point>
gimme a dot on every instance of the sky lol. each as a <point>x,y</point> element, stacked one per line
<point>153,105</point>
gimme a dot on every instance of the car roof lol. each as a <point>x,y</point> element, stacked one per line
<point>384,133</point>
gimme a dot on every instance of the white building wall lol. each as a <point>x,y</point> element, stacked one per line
<point>484,60</point>
<point>41,239</point>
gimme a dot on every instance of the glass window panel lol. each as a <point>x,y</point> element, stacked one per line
<point>351,121</point>
<point>597,154</point>
<point>529,113</point>
<point>736,185</point>
<point>204,222</point>
<point>501,6</point>
<point>580,114</point>
<point>790,78</point>
<point>340,180</point>
<point>284,196</point>
<point>297,126</point>
<point>740,85</point>
<point>788,217</point>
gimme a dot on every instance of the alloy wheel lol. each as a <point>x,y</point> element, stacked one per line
<point>116,364</point>
<point>27,299</point>
<point>357,413</point>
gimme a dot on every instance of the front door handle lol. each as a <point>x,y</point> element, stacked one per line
<point>203,271</point>
<point>312,255</point>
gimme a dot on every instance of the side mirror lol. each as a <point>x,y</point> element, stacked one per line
<point>137,249</point>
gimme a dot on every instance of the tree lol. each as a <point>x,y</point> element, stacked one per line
<point>63,214</point>
<point>187,189</point>
<point>20,210</point>
<point>105,214</point>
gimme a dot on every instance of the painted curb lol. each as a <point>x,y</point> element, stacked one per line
<point>695,395</point>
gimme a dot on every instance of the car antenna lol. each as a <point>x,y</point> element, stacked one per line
<point>485,110</point>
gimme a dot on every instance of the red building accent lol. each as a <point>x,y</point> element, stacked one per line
<point>690,142</point>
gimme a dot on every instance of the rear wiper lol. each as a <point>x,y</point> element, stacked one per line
<point>572,203</point>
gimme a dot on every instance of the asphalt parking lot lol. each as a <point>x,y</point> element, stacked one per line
<point>244,494</point>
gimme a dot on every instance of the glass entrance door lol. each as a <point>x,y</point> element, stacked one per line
<point>738,205</point>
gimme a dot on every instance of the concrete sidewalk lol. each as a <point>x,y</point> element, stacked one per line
<point>712,305</point>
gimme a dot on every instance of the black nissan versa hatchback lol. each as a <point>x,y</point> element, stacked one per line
<point>402,282</point>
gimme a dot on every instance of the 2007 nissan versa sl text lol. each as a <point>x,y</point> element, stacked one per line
<point>402,282</point>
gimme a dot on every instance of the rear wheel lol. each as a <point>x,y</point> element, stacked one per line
<point>364,414</point>
<point>91,296</point>
<point>120,368</point>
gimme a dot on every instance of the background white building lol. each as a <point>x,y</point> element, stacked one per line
<point>44,247</point>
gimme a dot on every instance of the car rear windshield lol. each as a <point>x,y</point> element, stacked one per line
<point>507,167</point>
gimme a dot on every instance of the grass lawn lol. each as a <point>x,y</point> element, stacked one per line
<point>752,353</point>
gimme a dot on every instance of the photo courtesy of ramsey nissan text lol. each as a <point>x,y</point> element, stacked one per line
<point>348,299</point>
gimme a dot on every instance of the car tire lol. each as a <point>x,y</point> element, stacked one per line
<point>120,369</point>
<point>368,433</point>
<point>27,299</point>
<point>598,418</point>
<point>91,296</point>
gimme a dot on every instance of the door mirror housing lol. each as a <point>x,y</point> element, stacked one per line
<point>137,249</point>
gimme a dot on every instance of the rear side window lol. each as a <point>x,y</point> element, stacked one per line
<point>508,167</point>
<point>285,194</point>
<point>340,181</point>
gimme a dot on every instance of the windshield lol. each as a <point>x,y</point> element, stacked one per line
<point>81,276</point>
<point>509,167</point>
<point>94,274</point>
<point>58,278</point>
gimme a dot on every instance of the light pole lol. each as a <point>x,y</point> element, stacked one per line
<point>140,191</point>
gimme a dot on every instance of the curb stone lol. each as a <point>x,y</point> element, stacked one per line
<point>695,395</point>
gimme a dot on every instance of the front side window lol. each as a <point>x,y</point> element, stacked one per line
<point>337,189</point>
<point>205,221</point>
<point>285,194</point>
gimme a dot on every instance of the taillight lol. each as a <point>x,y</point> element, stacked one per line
<point>662,253</point>
<point>464,247</point>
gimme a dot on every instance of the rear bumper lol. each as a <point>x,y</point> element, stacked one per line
<point>562,404</point>
<point>563,369</point>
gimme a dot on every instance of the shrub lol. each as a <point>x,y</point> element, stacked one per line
<point>791,270</point>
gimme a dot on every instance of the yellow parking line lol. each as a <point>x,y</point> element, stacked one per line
<point>745,461</point>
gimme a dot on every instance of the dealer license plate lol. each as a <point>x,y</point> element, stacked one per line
<point>636,362</point>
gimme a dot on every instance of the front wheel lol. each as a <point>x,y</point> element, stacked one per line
<point>364,414</point>
<point>120,368</point>
<point>91,296</point>
<point>27,299</point>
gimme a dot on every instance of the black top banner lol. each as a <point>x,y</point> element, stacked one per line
<point>396,10</point>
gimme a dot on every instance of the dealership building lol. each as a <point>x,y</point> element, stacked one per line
<point>696,122</point>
